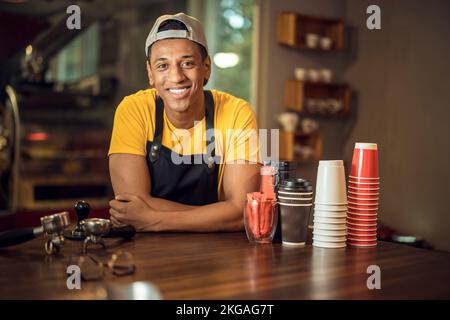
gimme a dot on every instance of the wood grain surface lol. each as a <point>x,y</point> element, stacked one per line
<point>227,266</point>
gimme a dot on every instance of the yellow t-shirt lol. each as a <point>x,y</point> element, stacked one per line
<point>236,130</point>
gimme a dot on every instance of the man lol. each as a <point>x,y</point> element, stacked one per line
<point>159,137</point>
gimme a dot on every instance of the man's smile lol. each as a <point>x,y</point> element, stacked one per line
<point>179,92</point>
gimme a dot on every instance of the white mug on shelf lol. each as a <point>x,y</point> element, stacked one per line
<point>300,74</point>
<point>288,121</point>
<point>325,43</point>
<point>326,75</point>
<point>312,40</point>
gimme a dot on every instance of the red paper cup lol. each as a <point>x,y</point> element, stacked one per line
<point>364,202</point>
<point>362,199</point>
<point>362,243</point>
<point>360,224</point>
<point>372,191</point>
<point>365,160</point>
<point>364,182</point>
<point>370,204</point>
<point>366,214</point>
<point>361,228</point>
<point>363,220</point>
<point>362,209</point>
<point>369,195</point>
<point>362,217</point>
<point>360,238</point>
<point>356,233</point>
<point>364,179</point>
<point>360,186</point>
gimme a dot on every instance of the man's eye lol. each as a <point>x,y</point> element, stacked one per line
<point>161,66</point>
<point>187,64</point>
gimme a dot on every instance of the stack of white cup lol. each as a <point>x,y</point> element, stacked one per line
<point>330,206</point>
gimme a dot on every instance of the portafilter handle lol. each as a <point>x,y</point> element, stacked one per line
<point>82,209</point>
<point>18,236</point>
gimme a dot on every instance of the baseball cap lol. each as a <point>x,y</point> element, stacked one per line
<point>194,30</point>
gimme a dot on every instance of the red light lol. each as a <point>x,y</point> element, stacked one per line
<point>37,136</point>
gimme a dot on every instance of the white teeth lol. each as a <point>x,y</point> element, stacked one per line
<point>178,91</point>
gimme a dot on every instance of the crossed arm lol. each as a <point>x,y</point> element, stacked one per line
<point>135,206</point>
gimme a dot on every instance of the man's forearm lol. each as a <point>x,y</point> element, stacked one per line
<point>220,216</point>
<point>159,204</point>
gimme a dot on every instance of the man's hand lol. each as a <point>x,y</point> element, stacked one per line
<point>132,210</point>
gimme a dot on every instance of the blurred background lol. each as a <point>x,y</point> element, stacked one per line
<point>311,68</point>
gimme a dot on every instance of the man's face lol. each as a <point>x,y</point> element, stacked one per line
<point>177,71</point>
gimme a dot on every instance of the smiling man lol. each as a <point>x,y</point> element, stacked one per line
<point>182,158</point>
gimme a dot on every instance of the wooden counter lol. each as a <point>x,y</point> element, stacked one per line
<point>226,266</point>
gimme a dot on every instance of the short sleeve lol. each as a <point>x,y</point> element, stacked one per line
<point>243,140</point>
<point>129,134</point>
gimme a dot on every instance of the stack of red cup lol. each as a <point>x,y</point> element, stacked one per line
<point>363,195</point>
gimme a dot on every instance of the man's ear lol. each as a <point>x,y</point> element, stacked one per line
<point>150,75</point>
<point>207,64</point>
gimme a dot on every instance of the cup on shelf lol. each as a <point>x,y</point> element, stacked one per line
<point>326,75</point>
<point>325,43</point>
<point>300,74</point>
<point>313,75</point>
<point>309,126</point>
<point>335,105</point>
<point>288,121</point>
<point>312,40</point>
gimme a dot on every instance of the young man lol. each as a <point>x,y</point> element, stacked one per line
<point>174,147</point>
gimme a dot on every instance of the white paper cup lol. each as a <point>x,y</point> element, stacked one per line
<point>329,226</point>
<point>330,184</point>
<point>329,239</point>
<point>326,207</point>
<point>328,233</point>
<point>330,214</point>
<point>330,245</point>
<point>330,220</point>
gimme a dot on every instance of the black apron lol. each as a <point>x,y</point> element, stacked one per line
<point>192,182</point>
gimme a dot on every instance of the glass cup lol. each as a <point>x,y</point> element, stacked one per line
<point>260,220</point>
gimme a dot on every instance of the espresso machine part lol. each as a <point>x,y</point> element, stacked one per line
<point>82,210</point>
<point>52,227</point>
<point>95,229</point>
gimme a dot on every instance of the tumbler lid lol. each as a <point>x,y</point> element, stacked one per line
<point>296,184</point>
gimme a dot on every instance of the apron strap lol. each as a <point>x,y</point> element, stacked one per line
<point>159,122</point>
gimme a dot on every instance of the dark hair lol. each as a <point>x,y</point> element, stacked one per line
<point>177,25</point>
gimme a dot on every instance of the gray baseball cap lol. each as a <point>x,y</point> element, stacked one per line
<point>194,30</point>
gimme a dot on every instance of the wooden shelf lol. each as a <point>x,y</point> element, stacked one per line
<point>291,141</point>
<point>292,29</point>
<point>297,93</point>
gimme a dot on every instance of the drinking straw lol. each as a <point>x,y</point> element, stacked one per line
<point>255,209</point>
